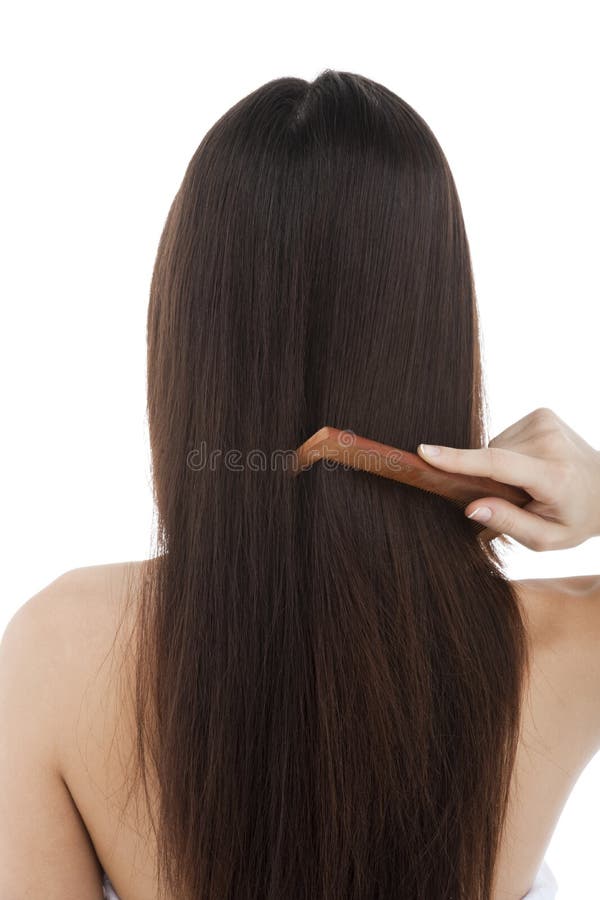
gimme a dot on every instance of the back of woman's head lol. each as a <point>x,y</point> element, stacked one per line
<point>329,665</point>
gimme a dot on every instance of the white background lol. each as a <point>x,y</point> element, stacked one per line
<point>103,106</point>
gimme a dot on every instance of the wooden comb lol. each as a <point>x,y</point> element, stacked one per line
<point>348,449</point>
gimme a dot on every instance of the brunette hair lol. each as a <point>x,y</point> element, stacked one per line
<point>329,666</point>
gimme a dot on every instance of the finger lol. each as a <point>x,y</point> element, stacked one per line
<point>525,527</point>
<point>498,463</point>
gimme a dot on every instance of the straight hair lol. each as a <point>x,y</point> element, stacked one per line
<point>328,667</point>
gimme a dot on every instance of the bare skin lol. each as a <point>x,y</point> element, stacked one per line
<point>560,720</point>
<point>561,724</point>
<point>64,654</point>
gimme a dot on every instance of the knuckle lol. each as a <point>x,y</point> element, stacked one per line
<point>543,414</point>
<point>546,422</point>
<point>502,521</point>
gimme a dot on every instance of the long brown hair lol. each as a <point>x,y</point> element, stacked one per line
<point>329,666</point>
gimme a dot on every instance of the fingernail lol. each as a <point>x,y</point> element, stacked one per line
<point>481,514</point>
<point>429,450</point>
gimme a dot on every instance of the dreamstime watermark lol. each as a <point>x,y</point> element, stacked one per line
<point>341,453</point>
<point>255,460</point>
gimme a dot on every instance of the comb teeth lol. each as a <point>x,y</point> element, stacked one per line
<point>478,527</point>
<point>406,467</point>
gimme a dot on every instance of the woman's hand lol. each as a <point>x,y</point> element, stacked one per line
<point>541,454</point>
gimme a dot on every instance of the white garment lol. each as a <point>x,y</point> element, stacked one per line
<point>108,891</point>
<point>544,886</point>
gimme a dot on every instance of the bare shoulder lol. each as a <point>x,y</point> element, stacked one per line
<point>561,606</point>
<point>50,694</point>
<point>80,602</point>
<point>100,584</point>
<point>70,638</point>
<point>562,617</point>
<point>71,625</point>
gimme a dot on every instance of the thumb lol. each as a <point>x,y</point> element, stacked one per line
<point>525,527</point>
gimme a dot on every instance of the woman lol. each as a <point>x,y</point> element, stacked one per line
<point>321,686</point>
